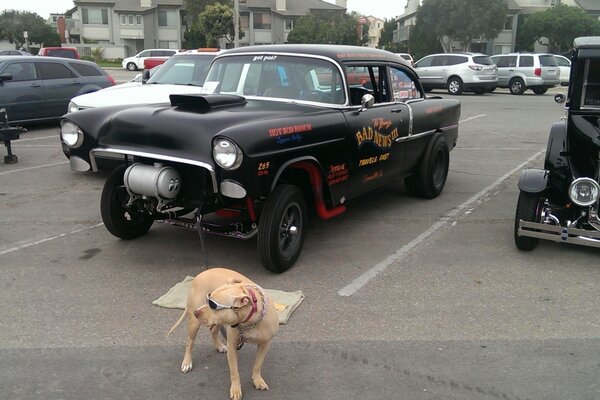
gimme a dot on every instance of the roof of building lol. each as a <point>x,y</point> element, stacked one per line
<point>293,7</point>
<point>589,5</point>
<point>133,5</point>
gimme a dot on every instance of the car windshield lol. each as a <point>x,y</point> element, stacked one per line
<point>276,76</point>
<point>483,60</point>
<point>548,61</point>
<point>182,70</point>
<point>62,53</point>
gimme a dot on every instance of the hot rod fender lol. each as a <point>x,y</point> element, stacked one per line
<point>557,147</point>
<point>533,180</point>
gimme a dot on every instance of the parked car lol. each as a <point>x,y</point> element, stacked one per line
<point>408,58</point>
<point>560,202</point>
<point>150,63</point>
<point>136,62</point>
<point>458,72</point>
<point>276,129</point>
<point>66,52</point>
<point>14,53</point>
<point>521,71</point>
<point>39,88</point>
<point>183,73</point>
<point>565,69</point>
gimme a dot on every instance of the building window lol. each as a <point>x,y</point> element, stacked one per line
<point>244,21</point>
<point>138,19</point>
<point>508,22</point>
<point>289,24</point>
<point>123,19</point>
<point>130,19</point>
<point>167,18</point>
<point>262,21</point>
<point>95,16</point>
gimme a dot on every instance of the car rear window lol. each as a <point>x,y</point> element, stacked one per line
<point>548,61</point>
<point>86,70</point>
<point>61,53</point>
<point>483,60</point>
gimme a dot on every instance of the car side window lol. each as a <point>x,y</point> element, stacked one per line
<point>526,61</point>
<point>438,61</point>
<point>426,62</point>
<point>506,61</point>
<point>21,71</point>
<point>51,70</point>
<point>145,54</point>
<point>591,84</point>
<point>403,86</point>
<point>85,70</point>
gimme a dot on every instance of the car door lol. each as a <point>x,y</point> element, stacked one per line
<point>506,67</point>
<point>61,84</point>
<point>23,94</point>
<point>374,133</point>
<point>425,71</point>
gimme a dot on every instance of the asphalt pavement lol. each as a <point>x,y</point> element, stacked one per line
<point>405,298</point>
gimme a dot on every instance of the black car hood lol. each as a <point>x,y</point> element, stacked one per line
<point>187,130</point>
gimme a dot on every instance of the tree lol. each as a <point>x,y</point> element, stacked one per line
<point>461,20</point>
<point>194,34</point>
<point>13,23</point>
<point>558,27</point>
<point>327,27</point>
<point>216,22</point>
<point>386,40</point>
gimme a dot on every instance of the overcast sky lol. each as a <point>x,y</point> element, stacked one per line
<point>379,8</point>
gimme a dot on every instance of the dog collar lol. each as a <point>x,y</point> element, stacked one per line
<point>254,306</point>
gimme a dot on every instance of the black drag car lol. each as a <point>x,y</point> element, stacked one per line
<point>560,202</point>
<point>277,130</point>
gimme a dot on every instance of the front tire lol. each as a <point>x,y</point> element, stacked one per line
<point>527,210</point>
<point>540,90</point>
<point>121,222</point>
<point>517,86</point>
<point>430,178</point>
<point>281,228</point>
<point>131,66</point>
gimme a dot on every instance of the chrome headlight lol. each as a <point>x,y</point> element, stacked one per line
<point>227,154</point>
<point>71,134</point>
<point>584,191</point>
<point>72,107</point>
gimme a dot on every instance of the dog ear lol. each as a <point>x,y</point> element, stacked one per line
<point>241,301</point>
<point>233,281</point>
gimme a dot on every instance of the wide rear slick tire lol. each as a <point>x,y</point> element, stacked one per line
<point>431,174</point>
<point>281,228</point>
<point>527,210</point>
<point>119,221</point>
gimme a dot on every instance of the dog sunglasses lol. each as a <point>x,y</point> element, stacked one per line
<point>216,306</point>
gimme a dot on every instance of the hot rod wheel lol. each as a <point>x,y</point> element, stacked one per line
<point>121,222</point>
<point>281,228</point>
<point>430,178</point>
<point>528,209</point>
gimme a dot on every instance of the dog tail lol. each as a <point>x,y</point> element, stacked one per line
<point>178,322</point>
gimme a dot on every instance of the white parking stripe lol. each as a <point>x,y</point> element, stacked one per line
<point>26,245</point>
<point>32,168</point>
<point>35,138</point>
<point>471,118</point>
<point>370,274</point>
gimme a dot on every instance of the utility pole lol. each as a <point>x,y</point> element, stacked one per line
<point>236,23</point>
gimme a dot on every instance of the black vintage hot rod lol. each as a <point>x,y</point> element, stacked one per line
<point>560,202</point>
<point>277,129</point>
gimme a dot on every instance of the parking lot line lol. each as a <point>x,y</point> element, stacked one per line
<point>32,168</point>
<point>371,273</point>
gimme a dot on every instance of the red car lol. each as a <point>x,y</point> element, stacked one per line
<point>150,63</point>
<point>66,52</point>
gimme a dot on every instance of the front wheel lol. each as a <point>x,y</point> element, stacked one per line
<point>431,174</point>
<point>528,209</point>
<point>540,90</point>
<point>517,86</point>
<point>123,222</point>
<point>455,85</point>
<point>132,66</point>
<point>281,228</point>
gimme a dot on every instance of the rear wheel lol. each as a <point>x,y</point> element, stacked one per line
<point>123,222</point>
<point>455,85</point>
<point>281,228</point>
<point>517,86</point>
<point>539,90</point>
<point>430,178</point>
<point>528,209</point>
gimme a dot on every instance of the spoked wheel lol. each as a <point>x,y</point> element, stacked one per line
<point>430,178</point>
<point>281,228</point>
<point>528,209</point>
<point>122,222</point>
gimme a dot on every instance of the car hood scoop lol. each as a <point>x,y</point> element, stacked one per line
<point>205,103</point>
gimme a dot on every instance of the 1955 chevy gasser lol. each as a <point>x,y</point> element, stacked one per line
<point>277,129</point>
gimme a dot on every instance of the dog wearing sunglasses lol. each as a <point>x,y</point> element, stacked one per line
<point>222,297</point>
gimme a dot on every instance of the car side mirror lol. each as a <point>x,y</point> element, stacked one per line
<point>145,76</point>
<point>6,77</point>
<point>560,98</point>
<point>367,101</point>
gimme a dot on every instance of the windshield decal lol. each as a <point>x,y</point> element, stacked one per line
<point>209,87</point>
<point>264,58</point>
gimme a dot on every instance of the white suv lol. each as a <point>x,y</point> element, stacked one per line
<point>521,71</point>
<point>458,72</point>
<point>136,62</point>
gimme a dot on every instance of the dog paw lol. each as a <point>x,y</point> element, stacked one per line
<point>186,367</point>
<point>235,393</point>
<point>222,348</point>
<point>260,384</point>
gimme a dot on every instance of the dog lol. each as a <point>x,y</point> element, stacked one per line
<point>222,297</point>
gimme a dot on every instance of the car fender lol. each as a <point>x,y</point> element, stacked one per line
<point>556,150</point>
<point>533,180</point>
<point>89,88</point>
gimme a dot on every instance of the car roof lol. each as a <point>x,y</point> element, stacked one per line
<point>46,59</point>
<point>335,52</point>
<point>590,42</point>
